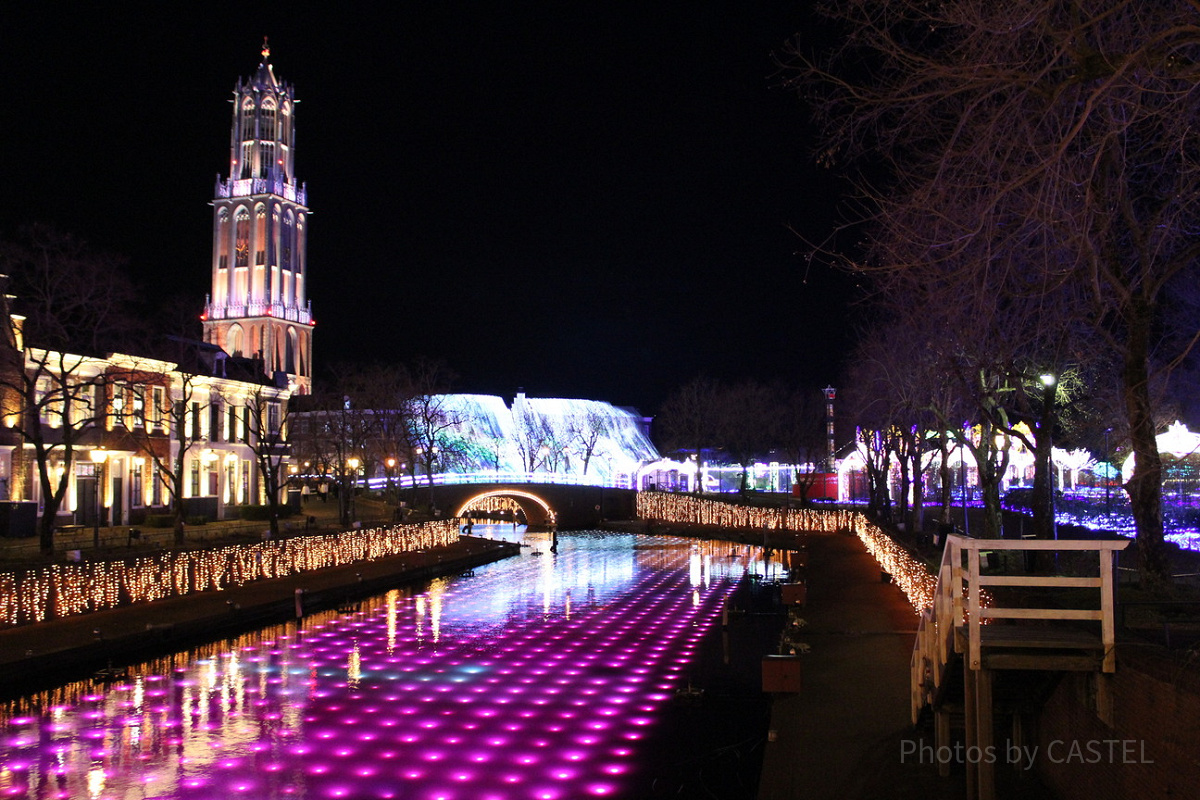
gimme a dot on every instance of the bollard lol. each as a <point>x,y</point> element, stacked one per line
<point>299,604</point>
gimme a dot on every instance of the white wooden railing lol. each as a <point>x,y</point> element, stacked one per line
<point>961,600</point>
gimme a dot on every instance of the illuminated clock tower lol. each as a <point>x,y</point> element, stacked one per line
<point>258,306</point>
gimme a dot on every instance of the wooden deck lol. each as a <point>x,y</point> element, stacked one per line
<point>1035,648</point>
<point>968,631</point>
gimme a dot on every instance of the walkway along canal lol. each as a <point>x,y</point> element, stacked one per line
<point>555,674</point>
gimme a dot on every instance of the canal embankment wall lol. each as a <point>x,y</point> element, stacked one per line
<point>1150,750</point>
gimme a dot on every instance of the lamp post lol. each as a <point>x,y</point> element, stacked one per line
<point>962,479</point>
<point>352,462</point>
<point>1045,445</point>
<point>98,456</point>
<point>1108,468</point>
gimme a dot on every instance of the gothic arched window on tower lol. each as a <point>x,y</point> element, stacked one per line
<point>260,236</point>
<point>266,157</point>
<point>266,123</point>
<point>290,359</point>
<point>289,233</point>
<point>223,238</point>
<point>247,136</point>
<point>242,239</point>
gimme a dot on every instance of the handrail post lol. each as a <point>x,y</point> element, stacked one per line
<point>956,577</point>
<point>973,604</point>
<point>1108,636</point>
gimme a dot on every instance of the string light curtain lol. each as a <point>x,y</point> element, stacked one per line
<point>909,573</point>
<point>63,590</point>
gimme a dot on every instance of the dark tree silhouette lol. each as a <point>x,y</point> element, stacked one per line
<point>1034,143</point>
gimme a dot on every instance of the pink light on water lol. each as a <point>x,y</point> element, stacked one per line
<point>519,697</point>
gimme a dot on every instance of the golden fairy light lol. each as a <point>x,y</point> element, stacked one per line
<point>908,572</point>
<point>62,590</point>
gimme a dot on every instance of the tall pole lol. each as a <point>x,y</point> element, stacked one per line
<point>99,505</point>
<point>830,394</point>
<point>98,456</point>
<point>962,472</point>
<point>1107,474</point>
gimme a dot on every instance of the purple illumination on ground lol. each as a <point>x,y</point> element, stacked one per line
<point>536,678</point>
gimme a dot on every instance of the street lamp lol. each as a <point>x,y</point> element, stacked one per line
<point>1047,454</point>
<point>962,481</point>
<point>352,462</point>
<point>1108,471</point>
<point>98,455</point>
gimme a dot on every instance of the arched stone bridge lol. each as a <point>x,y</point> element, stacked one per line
<point>542,503</point>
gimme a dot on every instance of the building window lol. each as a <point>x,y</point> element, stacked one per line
<point>214,421</point>
<point>195,421</point>
<point>241,245</point>
<point>195,487</point>
<point>42,397</point>
<point>135,485</point>
<point>273,418</point>
<point>159,410</point>
<point>119,410</point>
<point>139,406</point>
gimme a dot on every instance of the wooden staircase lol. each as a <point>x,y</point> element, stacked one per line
<point>967,641</point>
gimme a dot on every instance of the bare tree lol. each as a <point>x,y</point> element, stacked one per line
<point>585,432</point>
<point>267,422</point>
<point>745,427</point>
<point>688,419</point>
<point>534,438</point>
<point>431,419</point>
<point>72,302</point>
<point>169,427</point>
<point>801,434</point>
<point>1036,125</point>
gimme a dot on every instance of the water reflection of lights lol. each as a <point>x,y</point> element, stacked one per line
<point>536,678</point>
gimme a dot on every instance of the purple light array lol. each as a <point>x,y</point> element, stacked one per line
<point>538,678</point>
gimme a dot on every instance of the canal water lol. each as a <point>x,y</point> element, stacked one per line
<point>592,665</point>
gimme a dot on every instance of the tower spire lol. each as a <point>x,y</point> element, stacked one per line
<point>258,306</point>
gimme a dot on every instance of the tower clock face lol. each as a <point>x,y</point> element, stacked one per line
<point>242,248</point>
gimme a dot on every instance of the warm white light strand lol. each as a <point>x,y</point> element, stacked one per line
<point>62,590</point>
<point>909,573</point>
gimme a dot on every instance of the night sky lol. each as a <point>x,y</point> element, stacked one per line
<point>587,199</point>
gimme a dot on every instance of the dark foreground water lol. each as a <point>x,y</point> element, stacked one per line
<point>549,675</point>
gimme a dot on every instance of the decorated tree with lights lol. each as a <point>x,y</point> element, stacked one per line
<point>1037,125</point>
